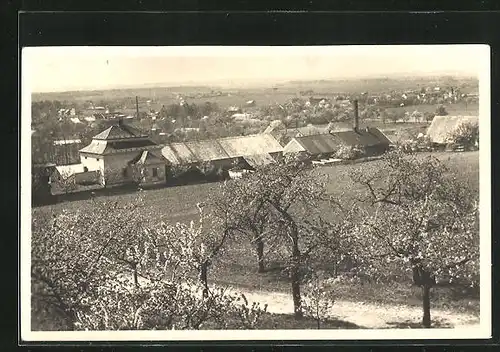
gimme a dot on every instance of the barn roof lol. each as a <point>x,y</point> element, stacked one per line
<point>329,143</point>
<point>368,137</point>
<point>442,126</point>
<point>250,145</point>
<point>319,143</point>
<point>207,150</point>
<point>220,149</point>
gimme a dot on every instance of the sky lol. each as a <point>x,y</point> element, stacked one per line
<point>56,69</point>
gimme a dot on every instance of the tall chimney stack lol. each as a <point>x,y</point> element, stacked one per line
<point>356,116</point>
<point>137,105</point>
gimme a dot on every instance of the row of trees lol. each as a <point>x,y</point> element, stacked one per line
<point>109,269</point>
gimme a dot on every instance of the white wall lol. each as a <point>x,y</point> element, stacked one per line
<point>92,162</point>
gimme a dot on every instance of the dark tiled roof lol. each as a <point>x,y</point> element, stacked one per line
<point>368,137</point>
<point>329,143</point>
<point>319,143</point>
<point>119,132</point>
<point>117,145</point>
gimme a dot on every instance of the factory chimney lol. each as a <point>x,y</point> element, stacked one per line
<point>137,106</point>
<point>356,116</point>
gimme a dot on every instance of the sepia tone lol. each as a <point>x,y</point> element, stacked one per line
<point>218,192</point>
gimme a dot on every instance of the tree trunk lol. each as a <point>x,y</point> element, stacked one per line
<point>426,300</point>
<point>260,253</point>
<point>297,300</point>
<point>425,280</point>
<point>136,280</point>
<point>70,319</point>
<point>295,277</point>
<point>204,278</point>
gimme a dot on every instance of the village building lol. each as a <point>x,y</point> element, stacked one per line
<point>122,155</point>
<point>224,153</point>
<point>283,134</point>
<point>370,140</point>
<point>442,126</point>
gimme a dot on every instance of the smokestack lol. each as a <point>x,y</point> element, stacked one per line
<point>137,105</point>
<point>356,116</point>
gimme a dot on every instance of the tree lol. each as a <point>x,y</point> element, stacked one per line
<point>248,213</point>
<point>96,272</point>
<point>290,192</point>
<point>441,111</point>
<point>466,134</point>
<point>423,219</point>
<point>197,245</point>
<point>67,266</point>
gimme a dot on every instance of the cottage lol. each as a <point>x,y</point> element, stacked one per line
<point>119,154</point>
<point>441,127</point>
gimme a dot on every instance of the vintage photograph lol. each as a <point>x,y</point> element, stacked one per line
<point>330,192</point>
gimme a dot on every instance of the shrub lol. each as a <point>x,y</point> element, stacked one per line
<point>466,134</point>
<point>318,298</point>
<point>349,152</point>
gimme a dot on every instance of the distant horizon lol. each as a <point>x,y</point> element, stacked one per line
<point>243,83</point>
<point>70,69</point>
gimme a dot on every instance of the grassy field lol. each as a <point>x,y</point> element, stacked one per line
<point>238,265</point>
<point>460,108</point>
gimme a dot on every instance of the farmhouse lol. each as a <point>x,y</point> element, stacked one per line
<point>123,155</point>
<point>441,127</point>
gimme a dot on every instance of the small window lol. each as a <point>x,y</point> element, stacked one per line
<point>97,159</point>
<point>85,157</point>
<point>85,169</point>
<point>155,172</point>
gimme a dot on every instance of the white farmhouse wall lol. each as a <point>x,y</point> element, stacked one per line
<point>92,162</point>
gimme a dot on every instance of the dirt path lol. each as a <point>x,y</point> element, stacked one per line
<point>367,315</point>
